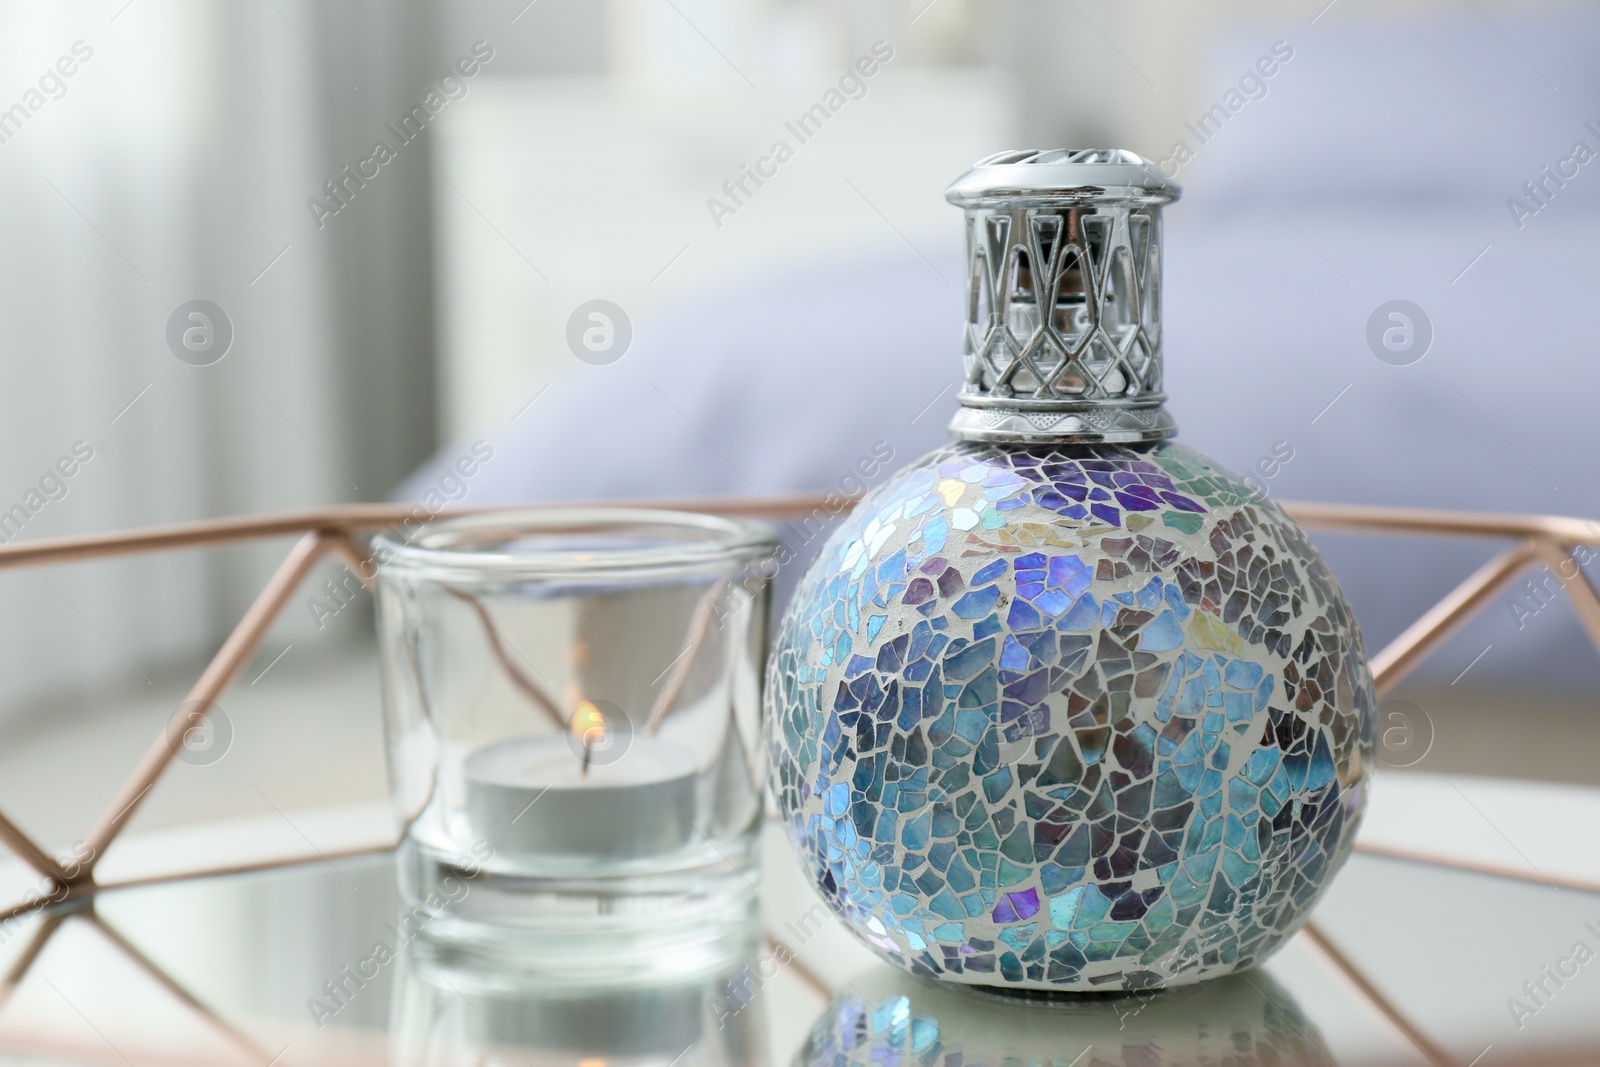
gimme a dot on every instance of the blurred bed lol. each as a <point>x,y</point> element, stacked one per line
<point>1377,166</point>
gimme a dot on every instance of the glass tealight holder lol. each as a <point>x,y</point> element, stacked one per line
<point>573,716</point>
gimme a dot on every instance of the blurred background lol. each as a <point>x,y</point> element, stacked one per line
<point>393,212</point>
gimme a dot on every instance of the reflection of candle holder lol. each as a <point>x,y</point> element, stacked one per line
<point>658,1010</point>
<point>573,713</point>
<point>888,1016</point>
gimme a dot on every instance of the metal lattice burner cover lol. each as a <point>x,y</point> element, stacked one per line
<point>1063,339</point>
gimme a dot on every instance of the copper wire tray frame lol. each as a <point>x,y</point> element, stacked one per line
<point>1538,540</point>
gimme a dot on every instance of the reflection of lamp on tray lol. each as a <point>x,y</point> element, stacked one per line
<point>887,1016</point>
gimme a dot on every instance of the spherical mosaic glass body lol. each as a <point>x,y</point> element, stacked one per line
<point>1070,717</point>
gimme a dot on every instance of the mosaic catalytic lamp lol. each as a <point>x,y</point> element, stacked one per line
<point>1065,705</point>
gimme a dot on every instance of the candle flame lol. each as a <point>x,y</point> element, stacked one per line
<point>589,725</point>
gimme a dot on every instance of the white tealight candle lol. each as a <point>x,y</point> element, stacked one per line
<point>536,796</point>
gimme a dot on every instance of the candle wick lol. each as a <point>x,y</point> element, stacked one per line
<point>588,752</point>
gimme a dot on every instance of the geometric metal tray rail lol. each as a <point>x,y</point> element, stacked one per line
<point>325,531</point>
<point>1539,540</point>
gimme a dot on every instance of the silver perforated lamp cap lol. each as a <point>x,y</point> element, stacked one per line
<point>1063,334</point>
